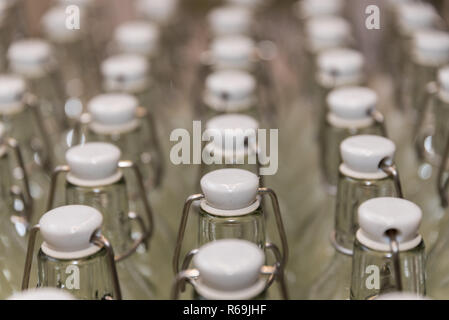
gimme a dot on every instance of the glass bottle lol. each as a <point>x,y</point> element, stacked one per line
<point>130,73</point>
<point>230,20</point>
<point>367,171</point>
<point>228,91</point>
<point>320,34</point>
<point>335,68</point>
<point>409,18</point>
<point>22,120</point>
<point>388,249</point>
<point>425,163</point>
<point>95,177</point>
<point>229,269</point>
<point>16,208</point>
<point>117,118</point>
<point>74,255</point>
<point>239,52</point>
<point>74,49</point>
<point>307,9</point>
<point>232,144</point>
<point>35,61</point>
<point>430,51</point>
<point>230,208</point>
<point>351,111</point>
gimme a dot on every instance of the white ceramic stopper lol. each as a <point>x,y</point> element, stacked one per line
<point>67,231</point>
<point>93,164</point>
<point>362,155</point>
<point>401,296</point>
<point>159,11</point>
<point>327,32</point>
<point>230,90</point>
<point>230,20</point>
<point>112,109</point>
<point>341,63</point>
<point>42,294</point>
<point>352,102</point>
<point>313,8</point>
<point>230,189</point>
<point>413,16</point>
<point>54,25</point>
<point>431,46</point>
<point>138,37</point>
<point>125,67</point>
<point>378,215</point>
<point>229,265</point>
<point>12,90</point>
<point>234,51</point>
<point>29,56</point>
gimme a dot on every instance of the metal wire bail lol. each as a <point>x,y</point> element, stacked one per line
<point>443,185</point>
<point>387,166</point>
<point>394,247</point>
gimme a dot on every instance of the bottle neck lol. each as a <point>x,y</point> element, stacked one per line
<point>440,134</point>
<point>351,193</point>
<point>373,272</point>
<point>85,278</point>
<point>249,226</point>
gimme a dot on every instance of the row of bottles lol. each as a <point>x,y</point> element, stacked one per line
<point>87,185</point>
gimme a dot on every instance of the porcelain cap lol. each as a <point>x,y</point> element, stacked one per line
<point>352,102</point>
<point>159,11</point>
<point>125,67</point>
<point>364,153</point>
<point>341,61</point>
<point>113,108</point>
<point>229,264</point>
<point>69,229</point>
<point>230,20</point>
<point>54,25</point>
<point>431,45</point>
<point>231,84</point>
<point>327,32</point>
<point>378,215</point>
<point>230,189</point>
<point>413,16</point>
<point>313,8</point>
<point>139,37</point>
<point>233,51</point>
<point>29,52</point>
<point>93,161</point>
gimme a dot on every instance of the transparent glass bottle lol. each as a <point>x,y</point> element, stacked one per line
<point>35,61</point>
<point>230,208</point>
<point>388,249</point>
<point>430,51</point>
<point>74,255</point>
<point>229,269</point>
<point>307,9</point>
<point>95,178</point>
<point>129,73</point>
<point>239,52</point>
<point>117,118</point>
<point>320,34</point>
<point>22,120</point>
<point>335,68</point>
<point>16,208</point>
<point>74,51</point>
<point>410,16</point>
<point>232,144</point>
<point>228,91</point>
<point>351,111</point>
<point>426,172</point>
<point>366,172</point>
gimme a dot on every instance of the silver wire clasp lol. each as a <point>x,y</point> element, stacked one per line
<point>387,166</point>
<point>394,247</point>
